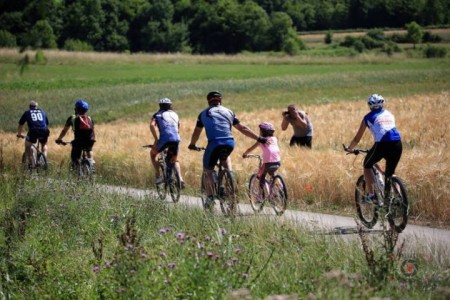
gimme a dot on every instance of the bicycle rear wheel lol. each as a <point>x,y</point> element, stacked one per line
<point>41,164</point>
<point>367,212</point>
<point>227,193</point>
<point>174,184</point>
<point>254,195</point>
<point>85,170</point>
<point>278,195</point>
<point>161,187</point>
<point>398,205</point>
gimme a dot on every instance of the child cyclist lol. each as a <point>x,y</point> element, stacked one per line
<point>271,152</point>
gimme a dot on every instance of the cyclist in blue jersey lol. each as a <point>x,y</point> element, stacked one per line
<point>168,124</point>
<point>37,122</point>
<point>388,143</point>
<point>83,131</point>
<point>218,122</point>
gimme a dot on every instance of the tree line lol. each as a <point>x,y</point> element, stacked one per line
<point>198,26</point>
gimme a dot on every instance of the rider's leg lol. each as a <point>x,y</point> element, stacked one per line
<point>370,181</point>
<point>44,149</point>
<point>155,163</point>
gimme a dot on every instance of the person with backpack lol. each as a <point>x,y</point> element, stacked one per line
<point>83,130</point>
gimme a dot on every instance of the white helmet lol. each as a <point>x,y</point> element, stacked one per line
<point>375,101</point>
<point>165,101</point>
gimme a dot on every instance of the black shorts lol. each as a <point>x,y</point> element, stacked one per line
<point>36,134</point>
<point>83,144</point>
<point>390,151</point>
<point>221,153</point>
<point>303,141</point>
<point>172,150</point>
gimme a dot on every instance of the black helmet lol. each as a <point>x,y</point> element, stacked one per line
<point>214,94</point>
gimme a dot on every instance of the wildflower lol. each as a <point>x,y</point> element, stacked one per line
<point>107,264</point>
<point>95,269</point>
<point>234,259</point>
<point>180,236</point>
<point>164,230</point>
<point>201,246</point>
<point>171,265</point>
<point>207,238</point>
<point>143,255</point>
<point>309,188</point>
<point>223,231</point>
<point>237,250</point>
<point>162,254</point>
<point>245,275</point>
<point>129,246</point>
<point>167,282</point>
<point>209,254</point>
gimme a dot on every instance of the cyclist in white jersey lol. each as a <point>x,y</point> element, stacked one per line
<point>388,143</point>
<point>168,124</point>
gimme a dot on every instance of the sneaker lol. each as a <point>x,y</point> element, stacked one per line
<point>209,202</point>
<point>159,180</point>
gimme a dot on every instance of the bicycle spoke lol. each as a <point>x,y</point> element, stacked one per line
<point>255,196</point>
<point>278,195</point>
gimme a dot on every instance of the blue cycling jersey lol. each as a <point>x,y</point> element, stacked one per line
<point>217,121</point>
<point>168,123</point>
<point>382,126</point>
<point>35,119</point>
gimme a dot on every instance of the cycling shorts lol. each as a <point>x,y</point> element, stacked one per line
<point>217,149</point>
<point>36,134</point>
<point>172,150</point>
<point>390,151</point>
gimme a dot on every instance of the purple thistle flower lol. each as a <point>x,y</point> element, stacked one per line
<point>107,264</point>
<point>171,265</point>
<point>95,269</point>
<point>237,250</point>
<point>201,246</point>
<point>223,231</point>
<point>234,259</point>
<point>164,230</point>
<point>180,236</point>
<point>207,238</point>
<point>162,254</point>
<point>209,254</point>
<point>129,246</point>
<point>143,255</point>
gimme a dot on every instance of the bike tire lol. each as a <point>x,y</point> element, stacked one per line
<point>398,205</point>
<point>161,188</point>
<point>41,164</point>
<point>367,212</point>
<point>227,193</point>
<point>254,195</point>
<point>85,170</point>
<point>278,196</point>
<point>174,183</point>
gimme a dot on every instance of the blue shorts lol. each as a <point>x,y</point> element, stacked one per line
<point>217,149</point>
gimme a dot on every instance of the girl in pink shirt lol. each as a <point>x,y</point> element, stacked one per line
<point>271,152</point>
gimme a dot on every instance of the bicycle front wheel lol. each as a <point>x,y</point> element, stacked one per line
<point>367,211</point>
<point>174,183</point>
<point>256,198</point>
<point>278,195</point>
<point>227,193</point>
<point>398,205</point>
<point>85,169</point>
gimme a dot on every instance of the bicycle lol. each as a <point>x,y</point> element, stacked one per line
<point>395,198</point>
<point>83,167</point>
<point>39,159</point>
<point>274,189</point>
<point>224,188</point>
<point>171,183</point>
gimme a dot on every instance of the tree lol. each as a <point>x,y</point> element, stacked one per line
<point>415,33</point>
<point>40,36</point>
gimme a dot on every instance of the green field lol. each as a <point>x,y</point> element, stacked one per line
<point>126,88</point>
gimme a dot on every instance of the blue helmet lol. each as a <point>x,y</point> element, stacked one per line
<point>81,104</point>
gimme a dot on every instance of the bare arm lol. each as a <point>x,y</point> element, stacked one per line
<point>246,131</point>
<point>253,147</point>
<point>284,123</point>
<point>19,130</point>
<point>299,119</point>
<point>153,129</point>
<point>63,132</point>
<point>196,135</point>
<point>358,136</point>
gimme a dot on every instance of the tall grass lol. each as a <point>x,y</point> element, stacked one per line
<point>64,240</point>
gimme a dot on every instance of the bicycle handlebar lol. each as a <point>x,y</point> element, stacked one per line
<point>61,142</point>
<point>253,156</point>
<point>20,136</point>
<point>195,148</point>
<point>148,146</point>
<point>355,151</point>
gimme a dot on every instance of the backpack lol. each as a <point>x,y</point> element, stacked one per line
<point>84,122</point>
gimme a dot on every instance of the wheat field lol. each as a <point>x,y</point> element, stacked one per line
<point>318,180</point>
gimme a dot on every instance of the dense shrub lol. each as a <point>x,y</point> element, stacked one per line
<point>429,37</point>
<point>348,41</point>
<point>376,34</point>
<point>40,57</point>
<point>328,37</point>
<point>371,43</point>
<point>77,45</point>
<point>431,51</point>
<point>7,39</point>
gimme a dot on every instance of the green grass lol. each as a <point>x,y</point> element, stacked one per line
<point>130,89</point>
<point>70,241</point>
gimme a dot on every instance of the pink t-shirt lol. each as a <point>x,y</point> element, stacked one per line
<point>271,152</point>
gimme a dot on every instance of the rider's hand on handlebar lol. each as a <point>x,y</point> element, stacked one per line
<point>244,155</point>
<point>20,136</point>
<point>193,147</point>
<point>58,141</point>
